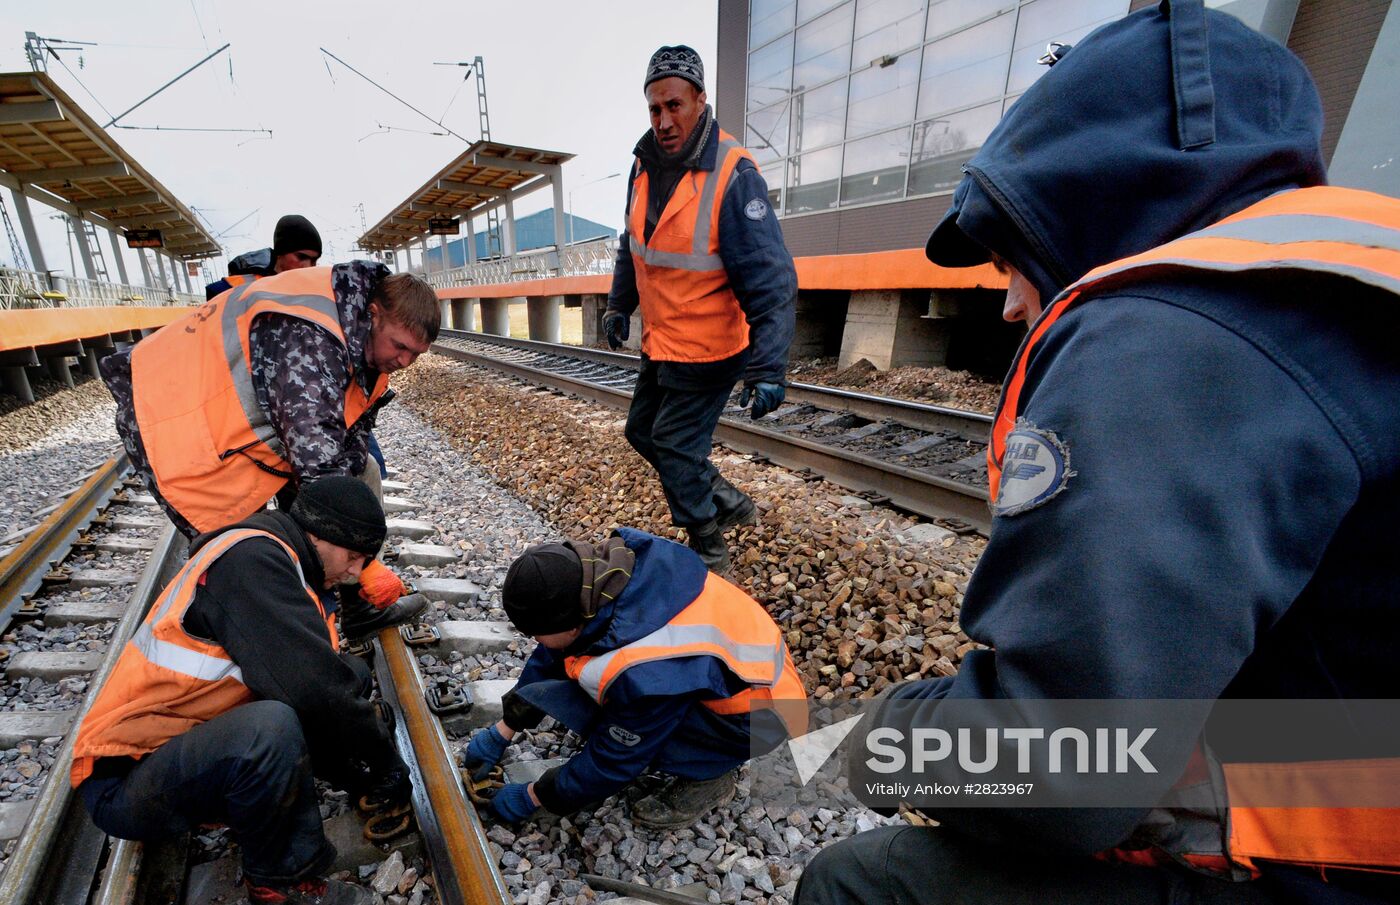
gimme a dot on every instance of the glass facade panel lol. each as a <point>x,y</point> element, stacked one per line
<point>1043,21</point>
<point>966,67</point>
<point>770,73</point>
<point>812,181</point>
<point>875,168</point>
<point>824,48</point>
<point>943,145</point>
<point>818,94</point>
<point>883,96</point>
<point>767,132</point>
<point>768,19</point>
<point>810,9</point>
<point>886,27</point>
<point>819,116</point>
<point>945,16</point>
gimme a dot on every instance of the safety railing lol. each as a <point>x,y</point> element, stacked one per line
<point>576,260</point>
<point>31,289</point>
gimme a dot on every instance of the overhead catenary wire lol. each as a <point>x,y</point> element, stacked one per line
<point>392,94</point>
<point>165,86</point>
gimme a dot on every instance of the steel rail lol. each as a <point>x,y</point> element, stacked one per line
<point>926,495</point>
<point>58,820</point>
<point>921,415</point>
<point>463,868</point>
<point>23,570</point>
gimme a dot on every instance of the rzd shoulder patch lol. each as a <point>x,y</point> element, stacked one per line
<point>623,736</point>
<point>756,209</point>
<point>1034,469</point>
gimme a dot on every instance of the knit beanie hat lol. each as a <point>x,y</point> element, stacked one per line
<point>342,511</point>
<point>542,590</point>
<point>681,62</point>
<point>295,233</point>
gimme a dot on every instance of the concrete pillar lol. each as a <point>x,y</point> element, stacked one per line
<point>542,312</point>
<point>464,314</point>
<point>117,255</point>
<point>471,240</point>
<point>508,241</point>
<point>80,237</point>
<point>556,182</point>
<point>59,370</point>
<point>160,266</point>
<point>444,312</point>
<point>594,306</point>
<point>495,316</point>
<point>89,362</point>
<point>890,329</point>
<point>821,314</point>
<point>31,238</point>
<point>633,343</point>
<point>16,383</point>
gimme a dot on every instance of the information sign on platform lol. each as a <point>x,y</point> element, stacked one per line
<point>444,226</point>
<point>144,238</point>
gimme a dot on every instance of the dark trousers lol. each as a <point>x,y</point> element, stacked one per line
<point>673,430</point>
<point>932,866</point>
<point>248,768</point>
<point>705,745</point>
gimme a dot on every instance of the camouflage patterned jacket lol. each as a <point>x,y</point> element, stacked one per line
<point>300,373</point>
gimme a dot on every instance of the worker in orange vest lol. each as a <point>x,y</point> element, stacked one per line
<point>1194,472</point>
<point>660,664</point>
<point>232,697</point>
<point>295,244</point>
<point>268,387</point>
<point>704,258</point>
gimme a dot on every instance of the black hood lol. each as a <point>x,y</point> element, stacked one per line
<point>1152,127</point>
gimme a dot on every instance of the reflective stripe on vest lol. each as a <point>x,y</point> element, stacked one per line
<point>214,455</point>
<point>1343,232</point>
<point>689,310</point>
<point>167,681</point>
<point>722,622</point>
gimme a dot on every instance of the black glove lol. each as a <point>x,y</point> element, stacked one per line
<point>389,785</point>
<point>518,713</point>
<point>617,326</point>
<point>766,396</point>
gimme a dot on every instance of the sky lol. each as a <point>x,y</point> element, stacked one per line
<point>562,76</point>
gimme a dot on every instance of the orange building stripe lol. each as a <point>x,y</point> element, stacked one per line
<point>904,268</point>
<point>27,327</point>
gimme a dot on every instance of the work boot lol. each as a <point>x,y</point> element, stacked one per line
<point>683,801</point>
<point>310,892</point>
<point>708,541</point>
<point>359,618</point>
<point>732,505</point>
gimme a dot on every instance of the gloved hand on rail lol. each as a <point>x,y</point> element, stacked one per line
<point>766,396</point>
<point>617,327</point>
<point>515,803</point>
<point>484,751</point>
<point>390,786</point>
<point>379,585</point>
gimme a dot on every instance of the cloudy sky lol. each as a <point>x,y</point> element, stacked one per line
<point>560,75</point>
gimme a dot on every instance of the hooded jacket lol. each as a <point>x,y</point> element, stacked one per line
<point>1231,445</point>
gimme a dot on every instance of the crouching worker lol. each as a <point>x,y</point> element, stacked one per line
<point>232,694</point>
<point>662,667</point>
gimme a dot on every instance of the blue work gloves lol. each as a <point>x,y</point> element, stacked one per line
<point>617,326</point>
<point>484,751</point>
<point>766,397</point>
<point>513,803</point>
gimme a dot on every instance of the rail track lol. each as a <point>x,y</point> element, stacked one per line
<point>59,856</point>
<point>921,458</point>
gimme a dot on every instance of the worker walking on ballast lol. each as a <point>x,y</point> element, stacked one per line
<point>704,258</point>
<point>660,665</point>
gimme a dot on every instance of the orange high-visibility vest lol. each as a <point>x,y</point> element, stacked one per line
<point>214,456</point>
<point>1346,233</point>
<point>166,682</point>
<point>722,622</point>
<point>689,311</point>
<point>238,279</point>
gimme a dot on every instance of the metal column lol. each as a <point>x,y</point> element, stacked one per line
<point>31,238</point>
<point>160,266</point>
<point>471,240</point>
<point>145,268</point>
<point>80,236</point>
<point>117,254</point>
<point>556,182</point>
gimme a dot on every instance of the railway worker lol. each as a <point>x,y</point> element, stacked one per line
<point>705,260</point>
<point>1214,417</point>
<point>232,696</point>
<point>660,665</point>
<point>295,244</point>
<point>217,436</point>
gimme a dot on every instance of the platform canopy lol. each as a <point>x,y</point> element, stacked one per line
<point>487,175</point>
<point>56,154</point>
